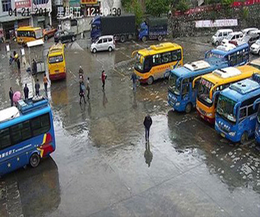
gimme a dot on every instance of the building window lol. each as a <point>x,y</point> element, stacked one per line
<point>6,5</point>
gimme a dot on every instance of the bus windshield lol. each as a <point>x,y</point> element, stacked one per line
<point>56,59</point>
<point>225,108</point>
<point>139,63</point>
<point>204,90</point>
<point>173,86</point>
<point>38,33</point>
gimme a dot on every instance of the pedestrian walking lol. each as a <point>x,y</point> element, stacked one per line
<point>34,67</point>
<point>11,60</point>
<point>88,87</point>
<point>37,88</point>
<point>103,78</point>
<point>18,64</point>
<point>134,79</point>
<point>11,94</point>
<point>147,124</point>
<point>45,82</point>
<point>81,92</point>
<point>26,92</point>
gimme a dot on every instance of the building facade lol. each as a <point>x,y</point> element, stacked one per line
<point>16,13</point>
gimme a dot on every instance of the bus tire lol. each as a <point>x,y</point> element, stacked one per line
<point>188,108</point>
<point>144,39</point>
<point>122,38</point>
<point>244,138</point>
<point>34,160</point>
<point>150,80</point>
<point>159,38</point>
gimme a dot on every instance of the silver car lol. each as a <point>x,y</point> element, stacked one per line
<point>103,43</point>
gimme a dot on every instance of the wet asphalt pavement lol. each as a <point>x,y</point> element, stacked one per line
<point>102,167</point>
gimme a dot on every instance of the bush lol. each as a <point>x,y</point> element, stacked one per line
<point>182,6</point>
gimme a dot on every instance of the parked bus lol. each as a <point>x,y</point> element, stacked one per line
<point>151,63</point>
<point>211,84</point>
<point>181,94</point>
<point>25,34</point>
<point>26,135</point>
<point>56,62</point>
<point>236,110</point>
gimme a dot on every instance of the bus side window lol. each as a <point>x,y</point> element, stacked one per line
<point>185,88</point>
<point>166,57</point>
<point>251,110</point>
<point>157,59</point>
<point>233,59</point>
<point>5,139</point>
<point>40,124</point>
<point>20,132</point>
<point>176,55</point>
<point>242,113</point>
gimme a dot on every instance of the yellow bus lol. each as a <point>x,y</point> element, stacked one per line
<point>209,86</point>
<point>25,34</point>
<point>152,63</point>
<point>56,62</point>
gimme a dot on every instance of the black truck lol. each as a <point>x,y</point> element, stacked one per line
<point>121,27</point>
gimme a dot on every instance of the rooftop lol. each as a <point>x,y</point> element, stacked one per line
<point>227,72</point>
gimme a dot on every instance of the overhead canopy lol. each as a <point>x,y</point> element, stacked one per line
<point>35,43</point>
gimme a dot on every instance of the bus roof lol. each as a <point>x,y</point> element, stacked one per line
<point>242,90</point>
<point>195,68</point>
<point>159,48</point>
<point>27,28</point>
<point>229,74</point>
<point>25,111</point>
<point>226,50</point>
<point>56,49</point>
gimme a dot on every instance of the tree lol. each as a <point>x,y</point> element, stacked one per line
<point>134,6</point>
<point>182,6</point>
<point>227,2</point>
<point>157,7</point>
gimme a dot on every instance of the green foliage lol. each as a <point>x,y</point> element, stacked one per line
<point>157,7</point>
<point>227,2</point>
<point>182,6</point>
<point>245,13</point>
<point>134,6</point>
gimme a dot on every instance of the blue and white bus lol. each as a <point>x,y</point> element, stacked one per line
<point>181,93</point>
<point>237,109</point>
<point>26,134</point>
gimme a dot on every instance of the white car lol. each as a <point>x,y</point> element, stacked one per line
<point>232,36</point>
<point>105,42</point>
<point>220,35</point>
<point>255,48</point>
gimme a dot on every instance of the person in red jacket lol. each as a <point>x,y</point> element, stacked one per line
<point>103,78</point>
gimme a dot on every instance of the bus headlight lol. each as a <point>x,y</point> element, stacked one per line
<point>232,133</point>
<point>209,114</point>
<point>177,104</point>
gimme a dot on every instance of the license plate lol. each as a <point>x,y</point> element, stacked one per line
<point>222,134</point>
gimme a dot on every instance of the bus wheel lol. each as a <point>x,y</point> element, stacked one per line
<point>159,38</point>
<point>34,160</point>
<point>144,39</point>
<point>244,138</point>
<point>188,108</point>
<point>150,80</point>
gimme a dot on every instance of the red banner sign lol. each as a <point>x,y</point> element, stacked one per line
<point>22,4</point>
<point>88,2</point>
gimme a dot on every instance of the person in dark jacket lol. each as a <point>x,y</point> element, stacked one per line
<point>37,88</point>
<point>11,96</point>
<point>18,64</point>
<point>147,124</point>
<point>34,67</point>
<point>134,79</point>
<point>81,92</point>
<point>26,91</point>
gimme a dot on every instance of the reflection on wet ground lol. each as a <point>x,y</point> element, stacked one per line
<point>102,165</point>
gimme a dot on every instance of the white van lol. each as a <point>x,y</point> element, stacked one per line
<point>232,36</point>
<point>220,35</point>
<point>249,30</point>
<point>105,42</point>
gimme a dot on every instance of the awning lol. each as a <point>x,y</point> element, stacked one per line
<point>35,43</point>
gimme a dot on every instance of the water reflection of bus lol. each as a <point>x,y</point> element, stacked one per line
<point>211,84</point>
<point>40,189</point>
<point>236,110</point>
